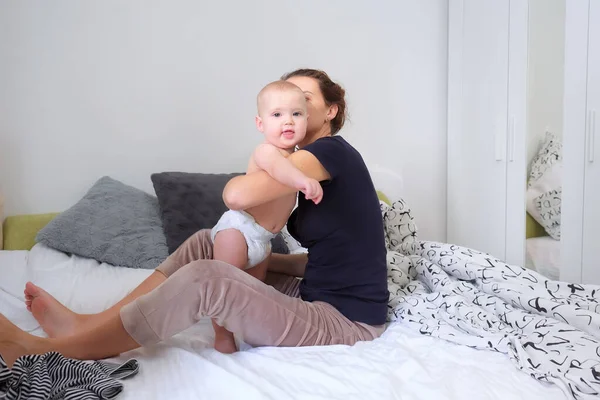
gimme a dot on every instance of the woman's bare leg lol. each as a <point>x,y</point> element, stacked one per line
<point>58,321</point>
<point>106,340</point>
<point>241,303</point>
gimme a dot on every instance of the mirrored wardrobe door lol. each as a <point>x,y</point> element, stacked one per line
<point>545,96</point>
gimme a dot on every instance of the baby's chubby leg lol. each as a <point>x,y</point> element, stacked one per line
<point>229,246</point>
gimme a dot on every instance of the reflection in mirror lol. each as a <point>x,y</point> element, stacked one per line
<point>544,140</point>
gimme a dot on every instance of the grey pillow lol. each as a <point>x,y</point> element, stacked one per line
<point>113,223</point>
<point>193,201</point>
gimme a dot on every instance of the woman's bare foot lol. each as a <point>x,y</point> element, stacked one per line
<point>14,343</point>
<point>54,318</point>
<point>224,340</point>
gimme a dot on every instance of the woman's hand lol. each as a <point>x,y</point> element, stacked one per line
<point>251,190</point>
<point>288,264</point>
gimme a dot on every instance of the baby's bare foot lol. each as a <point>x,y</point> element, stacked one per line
<point>224,340</point>
<point>225,344</point>
<point>54,318</point>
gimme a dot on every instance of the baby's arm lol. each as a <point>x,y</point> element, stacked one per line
<point>270,159</point>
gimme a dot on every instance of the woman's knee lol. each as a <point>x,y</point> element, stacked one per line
<point>202,234</point>
<point>196,247</point>
<point>200,242</point>
<point>206,269</point>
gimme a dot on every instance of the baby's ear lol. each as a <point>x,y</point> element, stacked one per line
<point>259,123</point>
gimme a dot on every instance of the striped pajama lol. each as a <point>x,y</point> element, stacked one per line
<point>52,376</point>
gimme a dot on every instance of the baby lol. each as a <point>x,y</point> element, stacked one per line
<point>243,238</point>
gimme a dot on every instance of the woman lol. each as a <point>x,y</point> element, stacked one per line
<point>342,296</point>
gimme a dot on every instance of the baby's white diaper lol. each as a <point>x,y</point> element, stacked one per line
<point>257,238</point>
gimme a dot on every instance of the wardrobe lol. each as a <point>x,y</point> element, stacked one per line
<point>488,124</point>
<point>487,92</point>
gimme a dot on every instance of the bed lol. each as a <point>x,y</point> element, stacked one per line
<point>400,364</point>
<point>439,342</point>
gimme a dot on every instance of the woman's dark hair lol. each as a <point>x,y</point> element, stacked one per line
<point>331,91</point>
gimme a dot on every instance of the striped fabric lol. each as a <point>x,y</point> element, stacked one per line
<point>52,376</point>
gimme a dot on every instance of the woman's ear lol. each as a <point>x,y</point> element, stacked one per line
<point>259,124</point>
<point>332,112</point>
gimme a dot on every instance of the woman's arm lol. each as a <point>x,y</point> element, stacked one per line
<point>288,264</point>
<point>251,190</point>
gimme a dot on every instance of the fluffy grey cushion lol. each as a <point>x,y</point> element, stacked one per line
<point>113,223</point>
<point>193,201</point>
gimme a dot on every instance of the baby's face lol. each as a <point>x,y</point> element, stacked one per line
<point>283,118</point>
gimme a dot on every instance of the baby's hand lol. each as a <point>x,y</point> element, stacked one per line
<point>312,190</point>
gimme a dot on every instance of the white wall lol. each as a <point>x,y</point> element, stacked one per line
<point>130,88</point>
<point>545,73</point>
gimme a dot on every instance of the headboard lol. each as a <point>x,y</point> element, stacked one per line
<point>532,228</point>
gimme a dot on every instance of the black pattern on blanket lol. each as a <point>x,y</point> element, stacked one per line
<point>548,329</point>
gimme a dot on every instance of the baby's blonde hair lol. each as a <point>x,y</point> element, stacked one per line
<point>279,85</point>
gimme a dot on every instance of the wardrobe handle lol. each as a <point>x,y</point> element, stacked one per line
<point>511,138</point>
<point>591,134</point>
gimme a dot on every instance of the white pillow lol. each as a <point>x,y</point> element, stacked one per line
<point>550,153</point>
<point>549,208</point>
<point>387,181</point>
<point>545,185</point>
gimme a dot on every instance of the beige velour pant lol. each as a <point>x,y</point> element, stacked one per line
<point>263,314</point>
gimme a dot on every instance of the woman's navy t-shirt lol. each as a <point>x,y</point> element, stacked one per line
<point>344,237</point>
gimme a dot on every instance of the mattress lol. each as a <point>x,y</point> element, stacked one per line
<point>401,364</point>
<point>543,255</point>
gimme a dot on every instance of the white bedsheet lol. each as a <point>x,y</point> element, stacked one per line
<point>399,365</point>
<point>543,255</point>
